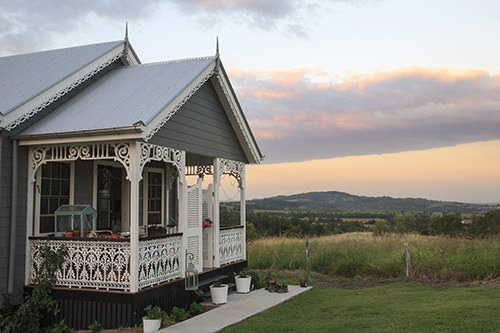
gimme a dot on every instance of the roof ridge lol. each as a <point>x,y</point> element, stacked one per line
<point>59,49</point>
<point>176,61</point>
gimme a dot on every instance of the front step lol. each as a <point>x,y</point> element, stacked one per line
<point>203,290</point>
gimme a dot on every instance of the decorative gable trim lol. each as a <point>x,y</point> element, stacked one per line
<point>237,119</point>
<point>34,106</point>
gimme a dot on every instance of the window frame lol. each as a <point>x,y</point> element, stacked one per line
<point>145,202</point>
<point>38,193</point>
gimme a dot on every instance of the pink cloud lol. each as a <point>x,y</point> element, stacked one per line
<point>404,109</point>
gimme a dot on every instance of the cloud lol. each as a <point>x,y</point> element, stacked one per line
<point>288,17</point>
<point>26,25</point>
<point>297,116</point>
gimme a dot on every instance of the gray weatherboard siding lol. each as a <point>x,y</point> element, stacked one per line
<point>201,127</point>
<point>5,202</point>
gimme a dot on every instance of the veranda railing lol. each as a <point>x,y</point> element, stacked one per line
<point>231,244</point>
<point>104,263</point>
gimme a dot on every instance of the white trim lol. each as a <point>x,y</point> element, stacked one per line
<point>145,183</point>
<point>160,120</point>
<point>38,195</point>
<point>95,176</point>
<point>236,116</point>
<point>85,139</point>
<point>134,215</point>
<point>44,99</point>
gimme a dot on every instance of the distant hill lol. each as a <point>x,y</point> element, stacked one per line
<point>340,201</point>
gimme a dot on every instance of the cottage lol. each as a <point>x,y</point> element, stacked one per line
<point>90,128</point>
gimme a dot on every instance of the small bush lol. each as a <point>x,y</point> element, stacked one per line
<point>155,312</point>
<point>95,327</point>
<point>60,327</point>
<point>195,308</point>
<point>257,283</point>
<point>178,314</point>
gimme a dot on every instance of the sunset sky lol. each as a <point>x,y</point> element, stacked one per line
<point>370,97</point>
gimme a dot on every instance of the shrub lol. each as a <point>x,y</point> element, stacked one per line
<point>60,327</point>
<point>178,314</point>
<point>155,312</point>
<point>195,308</point>
<point>29,314</point>
<point>95,327</point>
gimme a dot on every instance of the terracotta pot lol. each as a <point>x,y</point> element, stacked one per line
<point>68,234</point>
<point>156,232</point>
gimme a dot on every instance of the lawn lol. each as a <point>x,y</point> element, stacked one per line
<point>402,306</point>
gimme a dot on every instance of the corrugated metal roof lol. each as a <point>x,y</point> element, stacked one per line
<point>123,97</point>
<point>24,76</point>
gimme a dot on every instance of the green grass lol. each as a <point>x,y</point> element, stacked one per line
<point>362,254</point>
<point>399,307</point>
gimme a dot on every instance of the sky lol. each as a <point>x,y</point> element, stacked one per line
<point>369,97</point>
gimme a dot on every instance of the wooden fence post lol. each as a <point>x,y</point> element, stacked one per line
<point>408,262</point>
<point>308,255</point>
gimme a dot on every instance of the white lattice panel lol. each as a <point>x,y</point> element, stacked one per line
<point>159,260</point>
<point>230,245</point>
<point>90,264</point>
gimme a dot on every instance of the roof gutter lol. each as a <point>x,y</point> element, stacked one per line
<point>136,128</point>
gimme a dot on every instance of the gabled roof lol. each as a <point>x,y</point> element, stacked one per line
<point>26,76</point>
<point>29,83</point>
<point>135,101</point>
<point>125,97</point>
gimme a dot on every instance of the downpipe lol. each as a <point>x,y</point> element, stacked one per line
<point>13,215</point>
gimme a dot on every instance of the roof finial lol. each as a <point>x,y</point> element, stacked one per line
<point>126,30</point>
<point>217,57</point>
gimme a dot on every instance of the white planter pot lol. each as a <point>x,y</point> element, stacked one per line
<point>151,325</point>
<point>243,284</point>
<point>219,294</point>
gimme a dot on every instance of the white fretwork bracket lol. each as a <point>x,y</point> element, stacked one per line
<point>151,152</point>
<point>119,152</point>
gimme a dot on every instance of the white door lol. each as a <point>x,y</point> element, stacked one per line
<point>193,229</point>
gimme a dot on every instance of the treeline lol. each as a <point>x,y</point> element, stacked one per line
<point>298,224</point>
<point>447,224</point>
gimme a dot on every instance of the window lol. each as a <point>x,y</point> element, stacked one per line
<point>173,205</point>
<point>155,197</point>
<point>152,197</point>
<point>109,196</point>
<point>53,186</point>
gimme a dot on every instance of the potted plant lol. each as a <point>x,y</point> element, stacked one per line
<point>305,278</point>
<point>243,282</point>
<point>218,292</point>
<point>115,229</point>
<point>151,322</point>
<point>69,232</point>
<point>156,230</point>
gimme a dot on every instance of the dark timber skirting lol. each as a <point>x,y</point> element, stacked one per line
<point>112,309</point>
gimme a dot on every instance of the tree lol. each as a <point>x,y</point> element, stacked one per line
<point>251,232</point>
<point>405,223</point>
<point>448,224</point>
<point>489,224</point>
<point>381,227</point>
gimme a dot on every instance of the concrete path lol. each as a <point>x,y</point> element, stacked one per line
<point>238,308</point>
